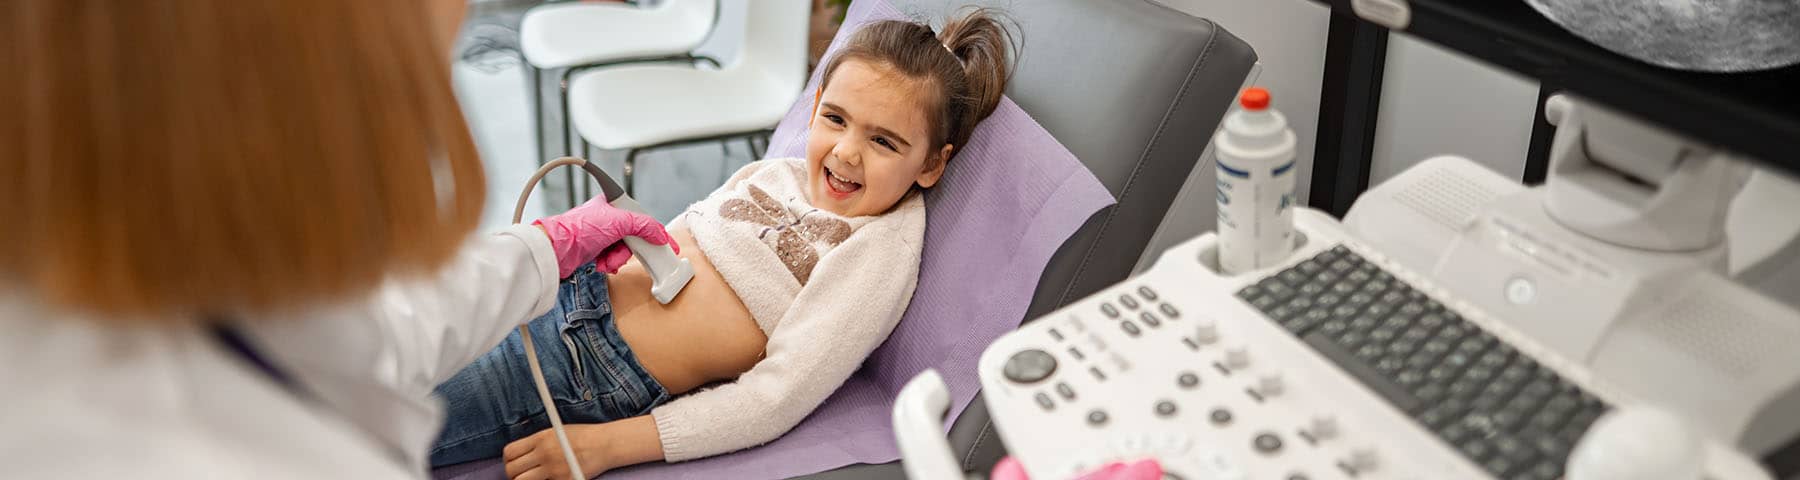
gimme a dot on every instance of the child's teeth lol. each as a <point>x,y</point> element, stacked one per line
<point>834,175</point>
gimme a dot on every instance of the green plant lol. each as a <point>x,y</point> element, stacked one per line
<point>843,7</point>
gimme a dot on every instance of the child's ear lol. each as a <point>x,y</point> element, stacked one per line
<point>815,111</point>
<point>934,167</point>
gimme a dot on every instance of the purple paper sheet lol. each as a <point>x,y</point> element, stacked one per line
<point>1005,204</point>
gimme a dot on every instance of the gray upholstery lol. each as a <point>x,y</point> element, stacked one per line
<point>1132,88</point>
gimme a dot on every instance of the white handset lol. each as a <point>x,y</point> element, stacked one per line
<point>669,273</point>
<point>918,420</point>
<point>1641,442</point>
<point>1637,442</point>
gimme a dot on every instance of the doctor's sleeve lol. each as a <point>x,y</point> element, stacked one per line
<point>437,326</point>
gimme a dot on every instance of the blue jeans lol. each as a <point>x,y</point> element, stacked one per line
<point>592,374</point>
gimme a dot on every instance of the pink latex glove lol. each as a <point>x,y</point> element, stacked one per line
<point>1148,469</point>
<point>592,233</point>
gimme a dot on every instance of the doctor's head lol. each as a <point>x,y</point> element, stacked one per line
<point>164,160</point>
<point>895,104</point>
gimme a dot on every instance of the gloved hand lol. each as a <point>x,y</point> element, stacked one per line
<point>592,233</point>
<point>1009,468</point>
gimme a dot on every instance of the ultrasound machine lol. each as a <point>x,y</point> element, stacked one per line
<point>1454,324</point>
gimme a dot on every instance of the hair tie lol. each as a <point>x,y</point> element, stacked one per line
<point>941,43</point>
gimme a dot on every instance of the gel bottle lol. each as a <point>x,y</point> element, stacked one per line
<point>1255,151</point>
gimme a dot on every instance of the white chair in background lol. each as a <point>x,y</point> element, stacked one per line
<point>578,35</point>
<point>644,106</point>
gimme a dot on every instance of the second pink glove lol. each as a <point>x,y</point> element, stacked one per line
<point>591,233</point>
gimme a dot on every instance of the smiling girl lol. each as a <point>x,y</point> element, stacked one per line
<point>802,267</point>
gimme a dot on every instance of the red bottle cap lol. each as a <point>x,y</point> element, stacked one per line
<point>1254,98</point>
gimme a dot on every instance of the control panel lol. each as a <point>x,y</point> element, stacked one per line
<point>1338,364</point>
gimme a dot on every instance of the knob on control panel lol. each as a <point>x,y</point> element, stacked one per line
<point>1206,332</point>
<point>1237,357</point>
<point>1324,427</point>
<point>1363,460</point>
<point>1029,366</point>
<point>1270,385</point>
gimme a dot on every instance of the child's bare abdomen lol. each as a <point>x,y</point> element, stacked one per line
<point>705,335</point>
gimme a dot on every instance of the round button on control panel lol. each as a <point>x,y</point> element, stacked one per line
<point>1187,380</point>
<point>1097,417</point>
<point>1267,443</point>
<point>1521,291</point>
<point>1165,408</point>
<point>1220,416</point>
<point>1029,366</point>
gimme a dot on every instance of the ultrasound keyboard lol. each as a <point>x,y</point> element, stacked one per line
<point>1339,364</point>
<point>1502,410</point>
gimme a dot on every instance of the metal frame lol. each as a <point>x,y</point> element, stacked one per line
<point>1537,154</point>
<point>1350,98</point>
<point>631,154</point>
<point>537,91</point>
<point>537,100</point>
<point>1756,114</point>
<point>563,83</point>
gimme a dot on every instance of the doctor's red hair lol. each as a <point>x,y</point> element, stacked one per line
<point>165,160</point>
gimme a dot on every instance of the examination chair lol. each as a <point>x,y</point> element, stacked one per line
<point>1134,89</point>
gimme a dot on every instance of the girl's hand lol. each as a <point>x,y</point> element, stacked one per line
<point>598,446</point>
<point>539,457</point>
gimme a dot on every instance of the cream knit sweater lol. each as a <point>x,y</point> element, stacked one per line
<point>825,289</point>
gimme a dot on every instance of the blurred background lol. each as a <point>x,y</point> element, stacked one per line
<point>492,82</point>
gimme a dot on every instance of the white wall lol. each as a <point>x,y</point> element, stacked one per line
<point>1435,101</point>
<point>1289,38</point>
<point>728,37</point>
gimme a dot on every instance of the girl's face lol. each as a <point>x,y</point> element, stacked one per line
<point>870,141</point>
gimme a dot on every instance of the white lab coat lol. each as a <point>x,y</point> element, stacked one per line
<point>79,400</point>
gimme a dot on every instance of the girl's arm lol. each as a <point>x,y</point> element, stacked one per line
<point>633,441</point>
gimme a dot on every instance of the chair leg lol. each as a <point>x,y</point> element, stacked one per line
<point>630,164</point>
<point>535,76</point>
<point>724,170</point>
<point>587,186</point>
<point>724,162</point>
<point>563,87</point>
<point>569,181</point>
